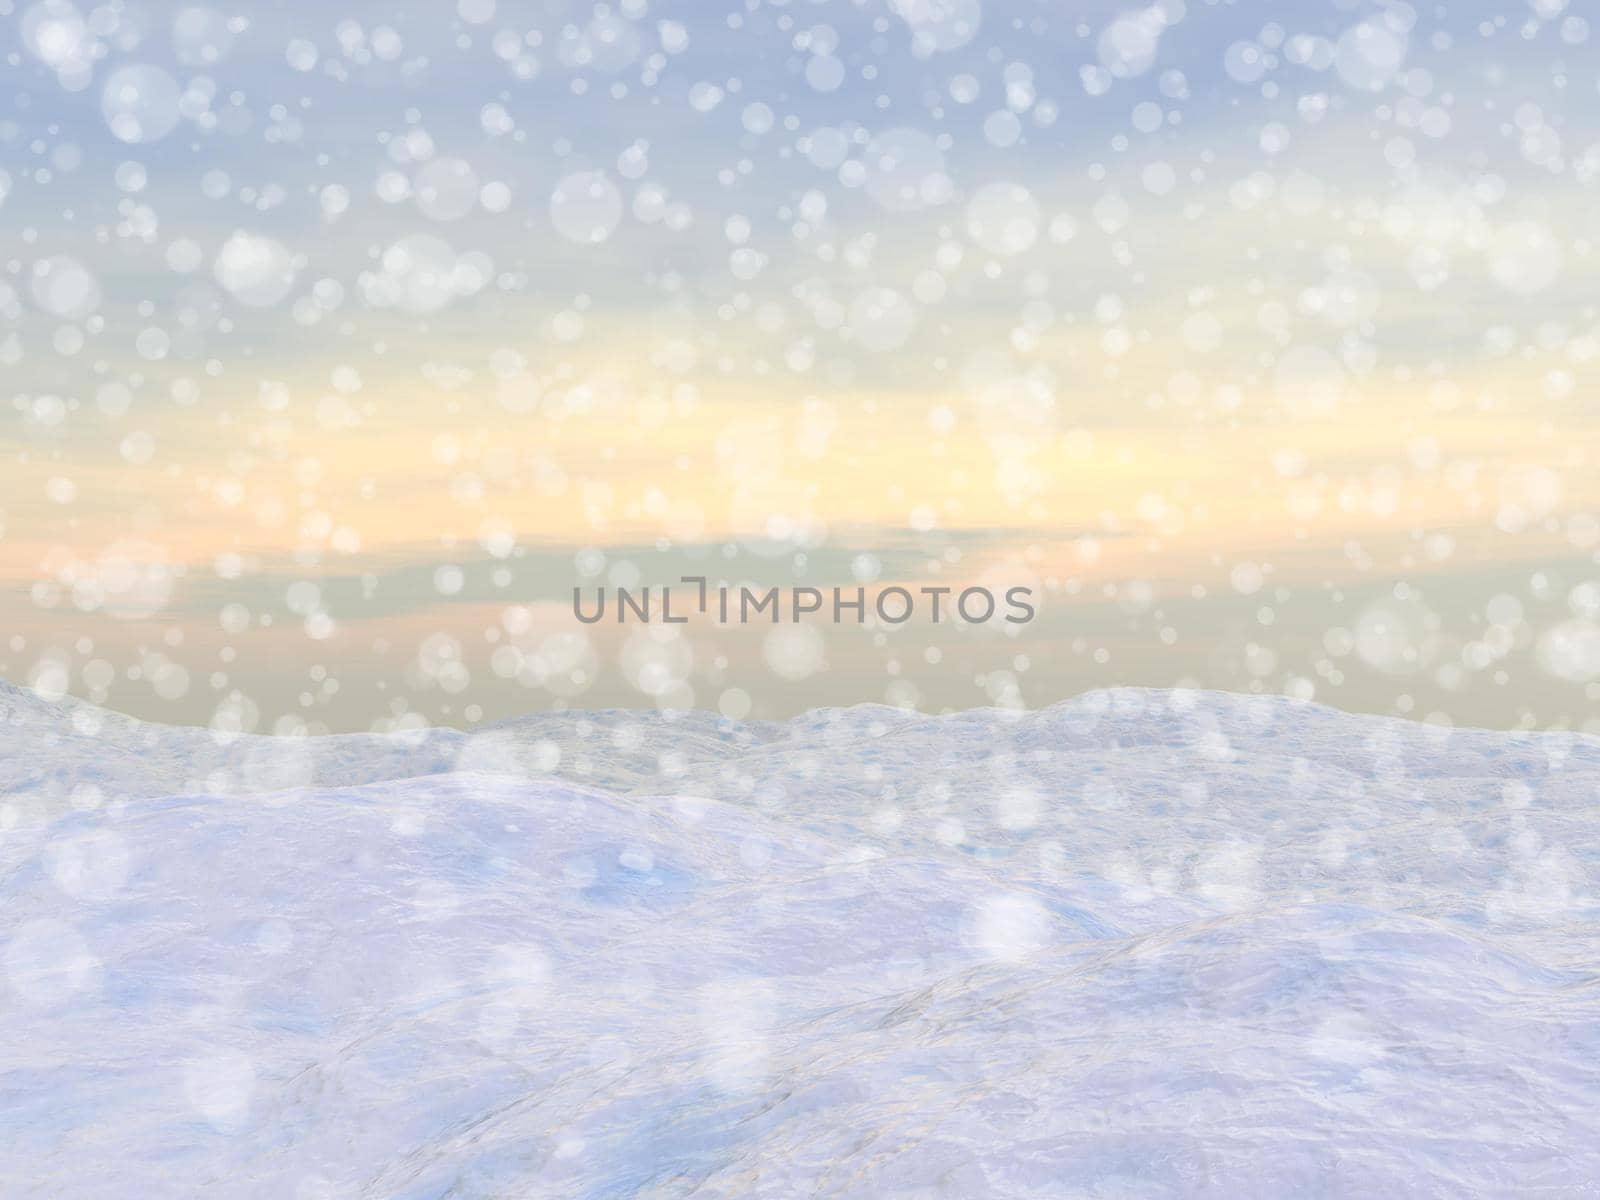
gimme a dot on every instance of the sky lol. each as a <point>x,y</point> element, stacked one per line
<point>340,343</point>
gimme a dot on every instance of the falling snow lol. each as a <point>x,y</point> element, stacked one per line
<point>342,345</point>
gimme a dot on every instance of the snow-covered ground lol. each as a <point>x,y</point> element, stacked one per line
<point>1138,944</point>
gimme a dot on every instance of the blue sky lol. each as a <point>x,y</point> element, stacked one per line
<point>1237,329</point>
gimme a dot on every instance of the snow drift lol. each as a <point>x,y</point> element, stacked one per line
<point>1139,944</point>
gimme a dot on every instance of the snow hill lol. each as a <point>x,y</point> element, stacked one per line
<point>1138,944</point>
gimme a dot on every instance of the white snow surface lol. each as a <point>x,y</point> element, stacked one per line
<point>1138,944</point>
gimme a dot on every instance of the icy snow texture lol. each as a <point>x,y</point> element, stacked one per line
<point>1139,944</point>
